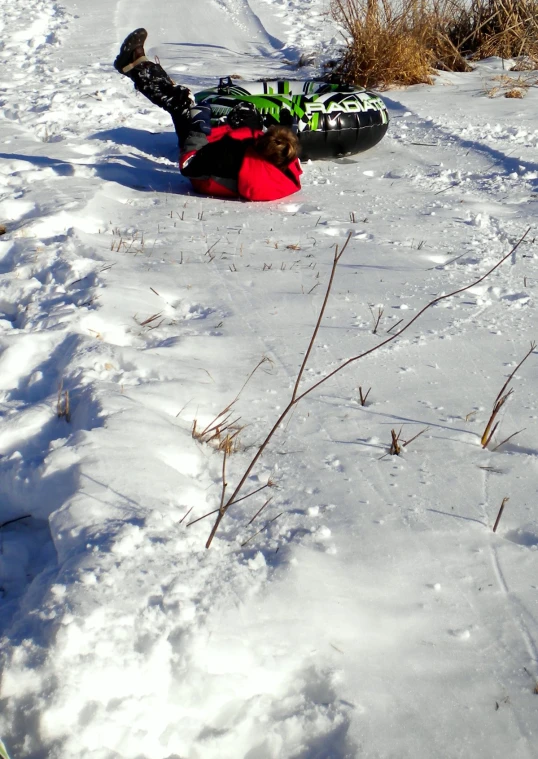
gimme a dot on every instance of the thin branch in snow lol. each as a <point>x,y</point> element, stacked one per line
<point>262,529</point>
<point>268,501</point>
<point>296,396</point>
<point>186,515</point>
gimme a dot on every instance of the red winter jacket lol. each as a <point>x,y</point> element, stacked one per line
<point>256,179</point>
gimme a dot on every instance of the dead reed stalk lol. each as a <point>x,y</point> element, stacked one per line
<point>499,402</point>
<point>395,447</point>
<point>499,515</point>
<point>364,397</point>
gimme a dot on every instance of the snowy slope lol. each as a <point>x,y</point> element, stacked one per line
<point>378,615</point>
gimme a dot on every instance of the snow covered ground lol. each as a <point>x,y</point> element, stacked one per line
<point>376,614</point>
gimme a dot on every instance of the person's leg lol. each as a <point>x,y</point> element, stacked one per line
<point>153,82</point>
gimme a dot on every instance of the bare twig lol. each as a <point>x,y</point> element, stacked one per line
<point>394,326</point>
<point>376,318</point>
<point>337,256</point>
<point>268,501</point>
<point>414,319</point>
<point>208,251</point>
<point>200,518</point>
<point>186,515</point>
<point>296,396</point>
<point>269,484</point>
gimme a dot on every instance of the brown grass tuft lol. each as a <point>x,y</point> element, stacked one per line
<point>514,93</point>
<point>222,432</point>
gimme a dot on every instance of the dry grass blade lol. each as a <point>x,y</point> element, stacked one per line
<point>150,319</point>
<point>186,515</point>
<point>499,515</point>
<point>408,442</point>
<point>257,514</point>
<point>499,402</point>
<point>221,432</point>
<point>510,377</point>
<point>262,529</point>
<point>219,428</point>
<point>509,438</point>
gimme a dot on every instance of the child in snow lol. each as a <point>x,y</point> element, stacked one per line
<point>236,159</point>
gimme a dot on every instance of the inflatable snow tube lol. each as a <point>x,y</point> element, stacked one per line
<point>331,119</point>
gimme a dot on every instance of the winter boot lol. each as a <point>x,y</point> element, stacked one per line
<point>131,52</point>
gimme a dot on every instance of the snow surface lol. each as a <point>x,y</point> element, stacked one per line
<point>378,615</point>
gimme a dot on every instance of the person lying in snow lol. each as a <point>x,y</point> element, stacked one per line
<point>237,159</point>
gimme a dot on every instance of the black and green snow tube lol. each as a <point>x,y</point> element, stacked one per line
<point>331,119</point>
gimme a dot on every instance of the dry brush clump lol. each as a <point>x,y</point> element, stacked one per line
<point>403,42</point>
<point>389,42</point>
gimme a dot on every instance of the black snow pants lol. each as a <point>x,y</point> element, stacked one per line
<point>191,122</point>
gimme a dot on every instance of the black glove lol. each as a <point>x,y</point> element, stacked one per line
<point>245,115</point>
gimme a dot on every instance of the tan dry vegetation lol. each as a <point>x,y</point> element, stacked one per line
<point>510,86</point>
<point>402,43</point>
<point>503,28</point>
